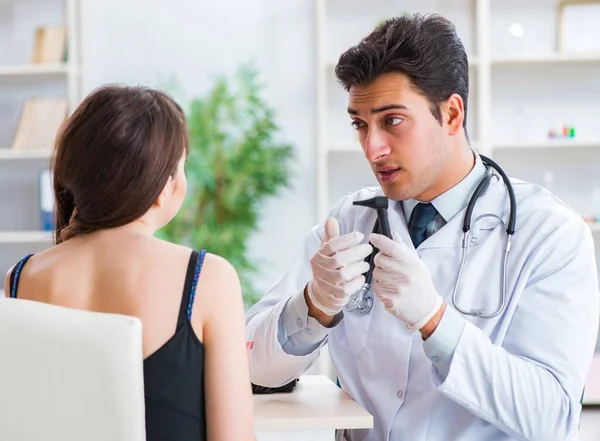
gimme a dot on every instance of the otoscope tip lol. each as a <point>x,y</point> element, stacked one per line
<point>376,202</point>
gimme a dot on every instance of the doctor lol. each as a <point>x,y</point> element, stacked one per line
<point>513,363</point>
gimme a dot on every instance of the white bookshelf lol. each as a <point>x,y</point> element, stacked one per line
<point>25,237</point>
<point>7,153</point>
<point>519,85</point>
<point>553,144</point>
<point>502,71</point>
<point>20,80</point>
<point>551,58</point>
<point>32,69</point>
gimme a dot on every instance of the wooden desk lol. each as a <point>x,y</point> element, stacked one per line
<point>312,412</point>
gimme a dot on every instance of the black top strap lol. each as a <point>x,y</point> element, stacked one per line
<point>189,288</point>
<point>15,274</point>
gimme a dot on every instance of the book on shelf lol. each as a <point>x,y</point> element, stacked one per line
<point>50,45</point>
<point>40,121</point>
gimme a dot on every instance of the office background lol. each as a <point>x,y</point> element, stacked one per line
<point>533,102</point>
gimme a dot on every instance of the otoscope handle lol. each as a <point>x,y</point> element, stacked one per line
<point>384,224</point>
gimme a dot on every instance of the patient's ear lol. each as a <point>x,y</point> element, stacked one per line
<point>165,194</point>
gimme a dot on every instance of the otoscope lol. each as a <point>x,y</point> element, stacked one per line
<point>361,301</point>
<point>379,203</point>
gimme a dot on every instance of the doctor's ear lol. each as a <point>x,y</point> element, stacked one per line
<point>453,114</point>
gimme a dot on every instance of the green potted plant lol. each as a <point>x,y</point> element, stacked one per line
<point>235,163</point>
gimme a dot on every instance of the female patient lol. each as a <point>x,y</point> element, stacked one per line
<point>118,171</point>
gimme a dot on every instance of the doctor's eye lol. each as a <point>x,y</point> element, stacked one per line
<point>357,124</point>
<point>394,120</point>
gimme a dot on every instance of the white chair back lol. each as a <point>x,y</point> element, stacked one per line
<point>69,375</point>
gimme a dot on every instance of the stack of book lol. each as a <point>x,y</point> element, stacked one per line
<point>41,118</point>
<point>50,45</point>
<point>40,121</point>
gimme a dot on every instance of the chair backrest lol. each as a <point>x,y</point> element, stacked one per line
<point>69,375</point>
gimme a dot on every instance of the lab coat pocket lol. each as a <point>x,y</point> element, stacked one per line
<point>352,333</point>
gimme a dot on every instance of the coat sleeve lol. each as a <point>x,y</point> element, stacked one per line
<point>286,340</point>
<point>530,385</point>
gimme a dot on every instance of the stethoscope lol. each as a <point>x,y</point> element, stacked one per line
<point>361,302</point>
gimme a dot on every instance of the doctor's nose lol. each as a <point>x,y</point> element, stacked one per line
<point>376,146</point>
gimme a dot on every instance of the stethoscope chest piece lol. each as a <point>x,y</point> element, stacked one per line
<point>366,306</point>
<point>361,301</point>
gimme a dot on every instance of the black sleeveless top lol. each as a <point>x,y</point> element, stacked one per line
<point>174,374</point>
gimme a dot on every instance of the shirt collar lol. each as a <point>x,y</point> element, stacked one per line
<point>450,203</point>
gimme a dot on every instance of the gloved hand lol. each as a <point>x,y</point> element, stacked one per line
<point>338,268</point>
<point>402,282</point>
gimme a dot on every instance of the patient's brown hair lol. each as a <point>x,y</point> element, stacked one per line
<point>113,156</point>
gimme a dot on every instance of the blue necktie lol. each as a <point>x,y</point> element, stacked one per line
<point>421,216</point>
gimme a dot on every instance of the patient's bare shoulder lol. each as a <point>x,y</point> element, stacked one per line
<point>219,287</point>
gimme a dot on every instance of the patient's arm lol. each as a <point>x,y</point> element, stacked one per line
<point>229,406</point>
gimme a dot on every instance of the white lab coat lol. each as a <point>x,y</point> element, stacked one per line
<point>517,376</point>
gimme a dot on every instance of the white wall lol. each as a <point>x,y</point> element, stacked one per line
<point>148,41</point>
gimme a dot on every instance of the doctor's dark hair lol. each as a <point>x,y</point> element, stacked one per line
<point>113,157</point>
<point>426,48</point>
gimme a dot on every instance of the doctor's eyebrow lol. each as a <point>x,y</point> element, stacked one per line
<point>352,111</point>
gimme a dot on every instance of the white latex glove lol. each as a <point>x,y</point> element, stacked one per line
<point>402,282</point>
<point>338,268</point>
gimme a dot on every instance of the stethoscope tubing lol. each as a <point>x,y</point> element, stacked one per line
<point>365,303</point>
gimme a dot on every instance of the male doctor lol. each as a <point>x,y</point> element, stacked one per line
<point>424,370</point>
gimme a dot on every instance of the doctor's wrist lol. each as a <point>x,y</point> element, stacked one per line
<point>433,323</point>
<point>324,319</point>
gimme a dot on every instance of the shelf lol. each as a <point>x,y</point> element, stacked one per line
<point>348,148</point>
<point>548,145</point>
<point>337,149</point>
<point>8,154</point>
<point>34,69</point>
<point>15,237</point>
<point>547,59</point>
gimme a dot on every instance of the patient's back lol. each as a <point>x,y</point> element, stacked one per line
<point>118,176</point>
<point>125,272</point>
<point>116,271</point>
